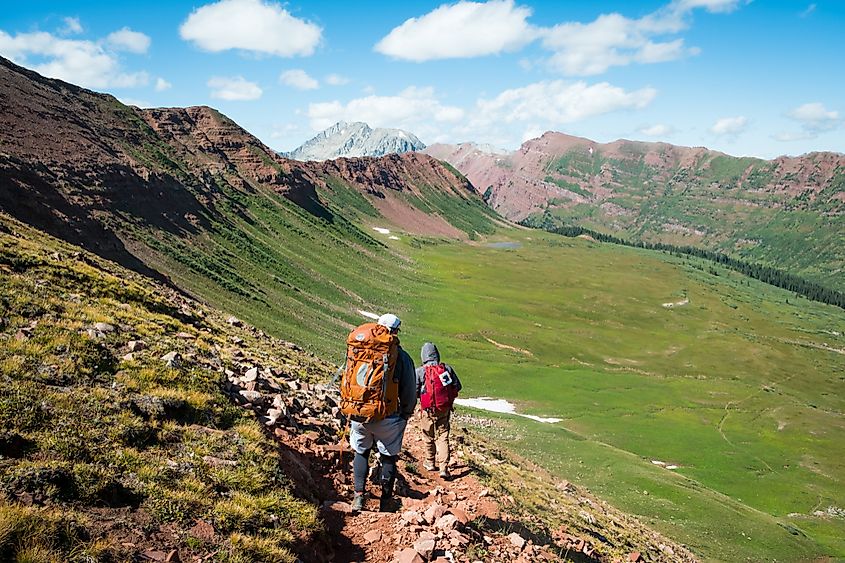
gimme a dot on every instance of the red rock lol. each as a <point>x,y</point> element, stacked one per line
<point>154,554</point>
<point>408,555</point>
<point>337,506</point>
<point>372,536</point>
<point>634,556</point>
<point>425,547</point>
<point>202,530</point>
<point>516,540</point>
<point>447,522</point>
<point>435,511</point>
<point>459,514</point>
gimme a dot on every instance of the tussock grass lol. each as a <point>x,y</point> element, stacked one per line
<point>84,428</point>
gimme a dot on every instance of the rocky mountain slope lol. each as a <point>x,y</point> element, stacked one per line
<point>187,196</point>
<point>788,212</point>
<point>355,139</point>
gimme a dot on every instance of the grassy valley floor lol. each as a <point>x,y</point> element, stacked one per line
<point>649,357</point>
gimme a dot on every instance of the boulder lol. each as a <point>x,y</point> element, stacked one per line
<point>172,359</point>
<point>251,396</point>
<point>516,540</point>
<point>408,555</point>
<point>250,375</point>
<point>136,345</point>
<point>425,547</point>
<point>447,522</point>
<point>372,536</point>
<point>104,327</point>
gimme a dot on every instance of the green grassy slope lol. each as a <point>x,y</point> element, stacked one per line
<point>104,455</point>
<point>741,387</point>
<point>735,205</point>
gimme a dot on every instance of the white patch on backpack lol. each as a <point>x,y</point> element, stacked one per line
<point>361,376</point>
<point>360,336</point>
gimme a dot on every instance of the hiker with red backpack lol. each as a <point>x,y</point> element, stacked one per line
<point>378,394</point>
<point>437,387</point>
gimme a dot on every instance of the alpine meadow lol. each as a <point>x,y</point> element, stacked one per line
<point>621,224</point>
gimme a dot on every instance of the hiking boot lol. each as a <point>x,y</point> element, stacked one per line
<point>358,502</point>
<point>444,474</point>
<point>429,466</point>
<point>387,504</point>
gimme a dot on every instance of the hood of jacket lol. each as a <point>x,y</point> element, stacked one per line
<point>429,354</point>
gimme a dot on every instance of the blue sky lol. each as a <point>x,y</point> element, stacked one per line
<point>760,78</point>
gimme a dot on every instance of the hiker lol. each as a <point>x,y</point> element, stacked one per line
<point>378,393</point>
<point>437,387</point>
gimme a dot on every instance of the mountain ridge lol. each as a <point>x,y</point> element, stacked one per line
<point>759,210</point>
<point>355,139</point>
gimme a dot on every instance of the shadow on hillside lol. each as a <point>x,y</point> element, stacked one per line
<point>311,480</point>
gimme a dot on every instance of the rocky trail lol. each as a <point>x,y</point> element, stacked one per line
<point>475,516</point>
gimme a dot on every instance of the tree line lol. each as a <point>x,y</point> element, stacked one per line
<point>767,274</point>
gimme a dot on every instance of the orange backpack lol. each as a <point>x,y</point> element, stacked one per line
<point>368,389</point>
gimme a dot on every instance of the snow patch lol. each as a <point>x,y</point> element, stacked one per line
<point>393,237</point>
<point>382,230</point>
<point>368,314</point>
<point>501,406</point>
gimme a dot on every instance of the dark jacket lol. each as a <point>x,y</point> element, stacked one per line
<point>431,356</point>
<point>404,372</point>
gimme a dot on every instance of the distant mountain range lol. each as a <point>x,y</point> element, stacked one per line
<point>355,139</point>
<point>788,212</point>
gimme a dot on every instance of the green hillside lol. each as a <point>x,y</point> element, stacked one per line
<point>737,383</point>
<point>743,207</point>
<point>105,452</point>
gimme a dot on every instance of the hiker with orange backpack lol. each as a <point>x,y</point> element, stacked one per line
<point>437,387</point>
<point>378,394</point>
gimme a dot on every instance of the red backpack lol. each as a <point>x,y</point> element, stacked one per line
<point>439,395</point>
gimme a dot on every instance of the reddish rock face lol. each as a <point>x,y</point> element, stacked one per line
<point>517,184</point>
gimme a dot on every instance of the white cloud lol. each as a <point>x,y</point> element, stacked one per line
<point>336,80</point>
<point>233,88</point>
<point>464,29</point>
<point>657,130</point>
<point>127,40</point>
<point>558,102</point>
<point>162,84</point>
<point>815,117</point>
<point>614,40</point>
<point>729,126</point>
<point>526,111</point>
<point>251,25</point>
<point>415,109</point>
<point>85,63</point>
<point>72,26</point>
<point>809,10</point>
<point>299,79</point>
<point>135,102</point>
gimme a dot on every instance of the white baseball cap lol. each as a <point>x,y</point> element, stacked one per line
<point>390,321</point>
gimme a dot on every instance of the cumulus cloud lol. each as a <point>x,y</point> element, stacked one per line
<point>415,109</point>
<point>657,130</point>
<point>127,40</point>
<point>257,26</point>
<point>86,63</point>
<point>162,85</point>
<point>464,29</point>
<point>299,79</point>
<point>235,88</point>
<point>531,110</point>
<point>559,102</point>
<point>729,126</point>
<point>472,29</point>
<point>72,26</point>
<point>814,119</point>
<point>336,80</point>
